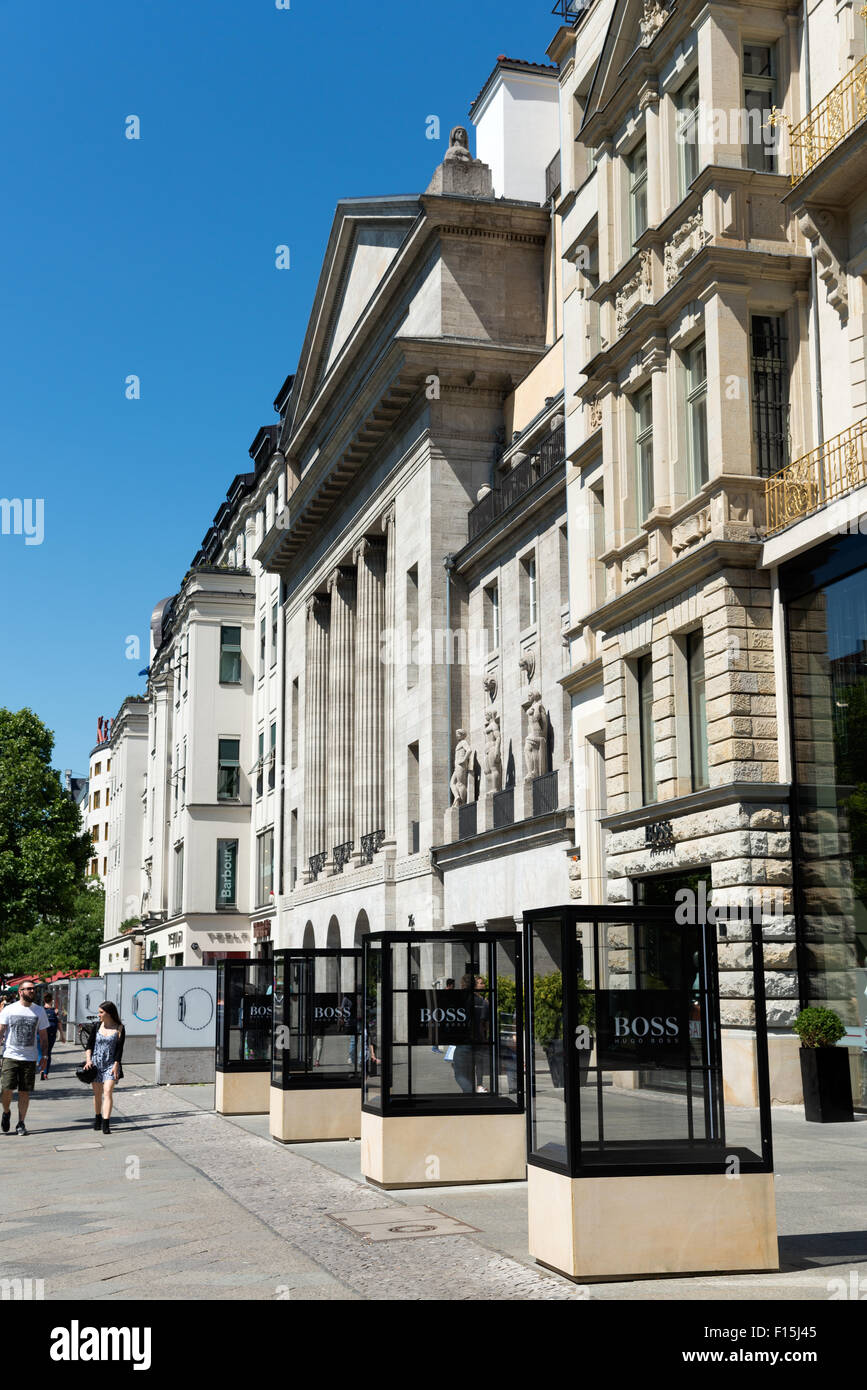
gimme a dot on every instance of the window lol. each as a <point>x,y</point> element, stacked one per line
<point>227,873</point>
<point>412,619</point>
<point>185,666</point>
<point>184,777</point>
<point>492,615</point>
<point>412,798</point>
<point>229,770</point>
<point>95,806</point>
<point>97,770</point>
<point>260,764</point>
<point>597,505</point>
<point>529,609</point>
<point>697,710</point>
<point>179,880</point>
<point>263,636</point>
<point>686,128</point>
<point>644,453</point>
<point>293,850</point>
<point>275,608</point>
<point>264,867</point>
<point>230,655</point>
<point>107,794</point>
<point>108,766</point>
<point>95,833</point>
<point>272,758</point>
<point>105,866</point>
<point>645,723</point>
<point>563,539</point>
<point>176,778</point>
<point>696,405</point>
<point>94,868</point>
<point>637,165</point>
<point>760,94</point>
<point>295,699</point>
<point>770,382</point>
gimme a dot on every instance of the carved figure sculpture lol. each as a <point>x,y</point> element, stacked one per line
<point>460,776</point>
<point>536,742</point>
<point>493,752</point>
<point>459,146</point>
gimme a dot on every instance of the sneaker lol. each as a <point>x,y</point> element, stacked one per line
<point>106,1127</point>
<point>6,1121</point>
<point>21,1128</point>
<point>97,1122</point>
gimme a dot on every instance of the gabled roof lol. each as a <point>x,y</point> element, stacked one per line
<point>624,37</point>
<point>366,235</point>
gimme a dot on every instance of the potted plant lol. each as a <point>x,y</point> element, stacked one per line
<point>548,1023</point>
<point>824,1066</point>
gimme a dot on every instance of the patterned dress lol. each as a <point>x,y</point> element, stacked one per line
<point>104,1049</point>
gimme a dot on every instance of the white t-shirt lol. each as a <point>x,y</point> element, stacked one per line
<point>22,1023</point>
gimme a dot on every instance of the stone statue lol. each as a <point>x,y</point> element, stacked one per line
<point>536,742</point>
<point>493,752</point>
<point>460,776</point>
<point>459,146</point>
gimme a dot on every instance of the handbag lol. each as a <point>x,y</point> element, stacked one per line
<point>86,1074</point>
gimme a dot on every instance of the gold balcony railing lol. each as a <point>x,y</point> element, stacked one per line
<point>826,473</point>
<point>830,122</point>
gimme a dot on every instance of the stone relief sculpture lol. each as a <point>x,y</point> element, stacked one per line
<point>536,742</point>
<point>460,775</point>
<point>493,752</point>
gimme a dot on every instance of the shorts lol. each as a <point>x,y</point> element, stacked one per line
<point>17,1076</point>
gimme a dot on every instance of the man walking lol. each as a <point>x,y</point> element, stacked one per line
<point>19,1025</point>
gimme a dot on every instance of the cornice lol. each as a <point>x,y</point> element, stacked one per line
<point>698,802</point>
<point>700,563</point>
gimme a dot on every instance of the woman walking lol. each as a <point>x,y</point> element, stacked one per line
<point>104,1050</point>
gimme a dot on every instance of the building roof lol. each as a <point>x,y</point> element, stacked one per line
<point>504,64</point>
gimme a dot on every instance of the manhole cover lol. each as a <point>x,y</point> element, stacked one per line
<point>401,1223</point>
<point>74,1148</point>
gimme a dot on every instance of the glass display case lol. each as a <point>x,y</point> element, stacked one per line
<point>442,1037</point>
<point>627,1072</point>
<point>245,1005</point>
<point>317,997</point>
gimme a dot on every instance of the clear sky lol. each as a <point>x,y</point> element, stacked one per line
<point>155,257</point>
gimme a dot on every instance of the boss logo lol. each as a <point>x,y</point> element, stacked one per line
<point>259,1011</point>
<point>343,1012</point>
<point>640,1027</point>
<point>443,1016</point>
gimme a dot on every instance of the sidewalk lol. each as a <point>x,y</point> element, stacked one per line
<point>178,1202</point>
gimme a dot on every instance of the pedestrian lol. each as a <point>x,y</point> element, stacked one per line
<point>19,1026</point>
<point>104,1050</point>
<point>53,1025</point>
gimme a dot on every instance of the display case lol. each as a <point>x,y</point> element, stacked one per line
<point>245,1004</point>
<point>316,1053</point>
<point>442,1040</point>
<point>636,1164</point>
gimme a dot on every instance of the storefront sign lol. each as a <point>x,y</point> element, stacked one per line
<point>261,931</point>
<point>333,1013</point>
<point>256,1012</point>
<point>443,1016</point>
<point>642,1028</point>
<point>227,859</point>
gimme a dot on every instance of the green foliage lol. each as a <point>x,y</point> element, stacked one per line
<point>129,924</point>
<point>43,852</point>
<point>507,994</point>
<point>53,946</point>
<point>548,1006</point>
<point>819,1027</point>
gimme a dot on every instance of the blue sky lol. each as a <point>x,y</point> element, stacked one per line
<point>156,257</point>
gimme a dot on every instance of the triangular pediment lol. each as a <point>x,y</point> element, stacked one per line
<point>366,237</point>
<point>633,23</point>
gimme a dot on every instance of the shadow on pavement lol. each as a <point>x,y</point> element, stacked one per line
<point>826,1248</point>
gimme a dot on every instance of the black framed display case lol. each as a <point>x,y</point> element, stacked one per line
<point>245,1006</point>
<point>627,1071</point>
<point>316,1021</point>
<point>442,1039</point>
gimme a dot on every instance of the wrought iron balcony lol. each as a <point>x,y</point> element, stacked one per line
<point>838,466</point>
<point>571,11</point>
<point>370,844</point>
<point>828,124</point>
<point>467,820</point>
<point>550,456</point>
<point>317,864</point>
<point>545,794</point>
<point>342,855</point>
<point>504,808</point>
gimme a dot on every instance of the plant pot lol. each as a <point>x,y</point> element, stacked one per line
<point>554,1053</point>
<point>827,1084</point>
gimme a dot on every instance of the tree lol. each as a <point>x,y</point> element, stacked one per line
<point>52,946</point>
<point>43,852</point>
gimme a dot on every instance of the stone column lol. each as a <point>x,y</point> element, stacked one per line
<point>388,681</point>
<point>341,680</point>
<point>369,558</point>
<point>315,730</point>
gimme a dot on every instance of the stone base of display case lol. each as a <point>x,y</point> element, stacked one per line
<point>242,1092</point>
<point>303,1115</point>
<point>433,1150</point>
<point>634,1227</point>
